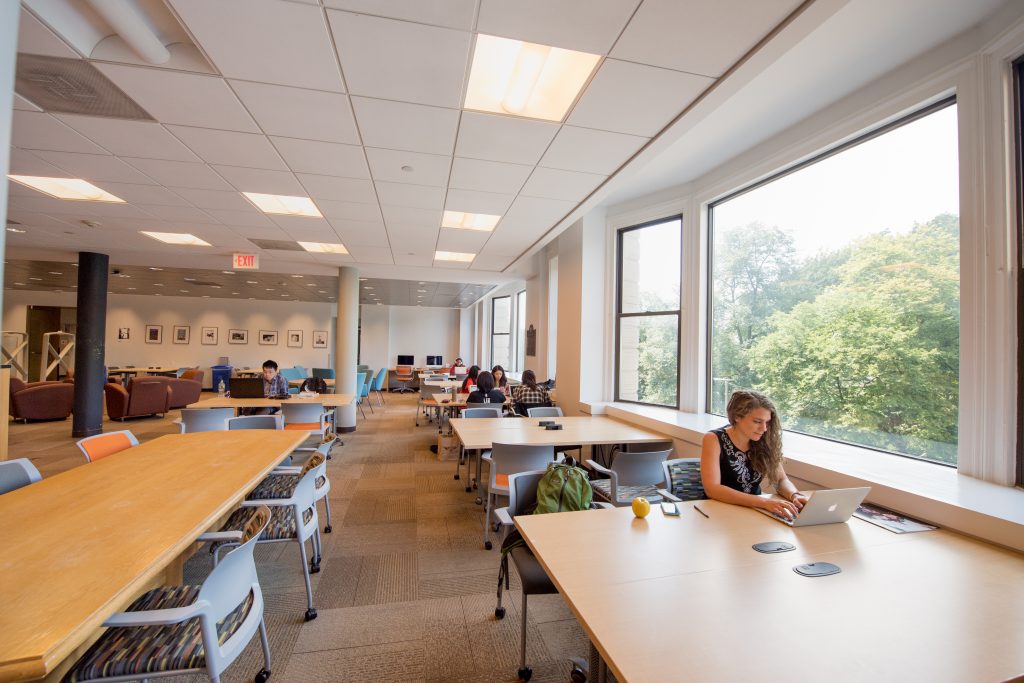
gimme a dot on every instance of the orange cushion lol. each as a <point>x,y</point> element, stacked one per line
<point>501,480</point>
<point>107,445</point>
<point>305,426</point>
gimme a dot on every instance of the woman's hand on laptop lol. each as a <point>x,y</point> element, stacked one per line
<point>776,506</point>
<point>799,500</point>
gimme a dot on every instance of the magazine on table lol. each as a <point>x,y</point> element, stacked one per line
<point>893,521</point>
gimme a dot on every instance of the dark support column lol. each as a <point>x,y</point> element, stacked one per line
<point>90,344</point>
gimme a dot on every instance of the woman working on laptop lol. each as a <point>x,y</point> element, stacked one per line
<point>736,458</point>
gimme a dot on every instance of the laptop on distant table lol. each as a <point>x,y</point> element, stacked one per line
<point>246,387</point>
<point>827,506</point>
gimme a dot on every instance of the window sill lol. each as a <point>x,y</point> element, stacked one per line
<point>926,491</point>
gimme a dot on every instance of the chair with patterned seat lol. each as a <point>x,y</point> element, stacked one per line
<point>187,629</point>
<point>631,475</point>
<point>682,476</point>
<point>101,445</point>
<point>282,481</point>
<point>292,519</point>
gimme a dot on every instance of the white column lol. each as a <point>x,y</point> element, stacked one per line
<point>346,342</point>
<point>9,12</point>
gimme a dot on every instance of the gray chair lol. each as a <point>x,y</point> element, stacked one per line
<point>255,422</point>
<point>504,460</point>
<point>427,404</point>
<point>631,475</point>
<point>682,477</point>
<point>471,413</point>
<point>14,474</point>
<point>544,411</point>
<point>204,419</point>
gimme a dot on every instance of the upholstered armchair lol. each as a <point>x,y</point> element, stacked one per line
<point>141,397</point>
<point>41,400</point>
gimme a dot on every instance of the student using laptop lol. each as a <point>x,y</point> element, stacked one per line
<point>736,458</point>
<point>470,381</point>
<point>273,385</point>
<point>458,364</point>
<point>485,391</point>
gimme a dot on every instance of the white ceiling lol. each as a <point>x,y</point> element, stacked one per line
<point>356,103</point>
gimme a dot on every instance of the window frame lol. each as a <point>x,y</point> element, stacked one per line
<point>1017,71</point>
<point>494,334</point>
<point>619,315</point>
<point>871,134</point>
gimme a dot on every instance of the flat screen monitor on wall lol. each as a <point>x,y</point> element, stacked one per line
<point>406,360</point>
<point>434,360</point>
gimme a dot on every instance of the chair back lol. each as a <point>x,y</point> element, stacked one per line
<point>682,477</point>
<point>101,445</point>
<point>302,415</point>
<point>522,491</point>
<point>482,412</point>
<point>640,469</point>
<point>428,391</point>
<point>17,473</point>
<point>194,374</point>
<point>205,419</point>
<point>302,371</point>
<point>511,459</point>
<point>360,381</point>
<point>403,372</point>
<point>378,381</point>
<point>647,447</point>
<point>544,411</point>
<point>305,494</point>
<point>254,422</point>
<point>365,387</point>
<point>323,373</point>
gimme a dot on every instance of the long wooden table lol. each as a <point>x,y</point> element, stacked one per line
<point>127,372</point>
<point>83,544</point>
<point>687,598</point>
<point>327,400</point>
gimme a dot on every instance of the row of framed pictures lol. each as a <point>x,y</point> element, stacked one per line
<point>211,336</point>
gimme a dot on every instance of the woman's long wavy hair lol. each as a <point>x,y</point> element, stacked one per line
<point>766,453</point>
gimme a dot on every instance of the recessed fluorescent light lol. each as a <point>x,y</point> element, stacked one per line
<point>283,205</point>
<point>37,279</point>
<point>183,291</point>
<point>296,276</point>
<point>251,282</point>
<point>155,268</point>
<point>453,256</point>
<point>228,272</point>
<point>158,284</point>
<point>323,248</point>
<point>234,293</point>
<point>20,284</point>
<point>469,221</point>
<point>54,272</point>
<point>190,279</point>
<point>14,230</point>
<point>67,188</point>
<point>132,288</point>
<point>180,238</point>
<point>526,79</point>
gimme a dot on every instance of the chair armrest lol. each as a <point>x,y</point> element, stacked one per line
<point>601,506</point>
<point>504,518</point>
<point>598,467</point>
<point>272,502</point>
<point>287,469</point>
<point>220,536</point>
<point>157,617</point>
<point>486,457</point>
<point>669,496</point>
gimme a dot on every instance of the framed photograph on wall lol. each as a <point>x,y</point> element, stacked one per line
<point>268,337</point>
<point>124,333</point>
<point>295,339</point>
<point>209,335</point>
<point>154,334</point>
<point>238,336</point>
<point>319,339</point>
<point>182,334</point>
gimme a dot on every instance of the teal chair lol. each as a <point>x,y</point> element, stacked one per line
<point>378,384</point>
<point>360,381</point>
<point>324,373</point>
<point>302,372</point>
<point>364,389</point>
<point>290,374</point>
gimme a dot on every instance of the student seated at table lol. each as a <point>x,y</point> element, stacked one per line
<point>485,391</point>
<point>500,380</point>
<point>470,381</point>
<point>458,364</point>
<point>736,458</point>
<point>528,393</point>
<point>273,385</point>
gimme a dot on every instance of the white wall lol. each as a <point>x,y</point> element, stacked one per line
<point>135,312</point>
<point>373,344</point>
<point>418,331</point>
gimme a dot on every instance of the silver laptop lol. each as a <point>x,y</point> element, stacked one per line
<point>827,506</point>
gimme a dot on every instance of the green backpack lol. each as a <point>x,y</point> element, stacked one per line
<point>564,488</point>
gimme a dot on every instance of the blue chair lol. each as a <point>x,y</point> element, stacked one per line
<point>291,374</point>
<point>378,384</point>
<point>364,389</point>
<point>360,381</point>
<point>324,373</point>
<point>303,373</point>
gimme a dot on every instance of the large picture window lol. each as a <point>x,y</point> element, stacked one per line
<point>835,290</point>
<point>501,331</point>
<point>647,313</point>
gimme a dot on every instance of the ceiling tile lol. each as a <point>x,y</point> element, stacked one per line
<point>182,98</point>
<point>456,14</point>
<point>207,199</point>
<point>349,210</point>
<point>417,196</point>
<point>404,215</point>
<point>719,33</point>
<point>323,158</point>
<point>503,138</point>
<point>526,221</point>
<point>425,169</point>
<point>400,125</point>
<point>473,201</point>
<point>609,102</point>
<point>145,194</point>
<point>423,258</point>
<point>180,174</point>
<point>485,261</point>
<point>95,167</point>
<point>177,213</point>
<point>261,180</point>
<point>554,184</point>
<point>488,176</point>
<point>396,60</point>
<point>412,239</point>
<point>230,148</point>
<point>306,224</point>
<point>264,40</point>
<point>27,163</point>
<point>130,138</point>
<point>29,219</point>
<point>32,130</point>
<point>591,151</point>
<point>364,254</point>
<point>36,39</point>
<point>271,232</point>
<point>298,113</point>
<point>370,234</point>
<point>338,189</point>
<point>463,241</point>
<point>584,25</point>
<point>252,219</point>
<point>23,104</point>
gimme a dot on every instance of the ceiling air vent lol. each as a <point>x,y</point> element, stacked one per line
<point>279,245</point>
<point>72,86</point>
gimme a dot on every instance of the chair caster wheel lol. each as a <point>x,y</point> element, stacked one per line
<point>469,489</point>
<point>577,676</point>
<point>328,529</point>
<point>495,527</point>
<point>499,612</point>
<point>310,614</point>
<point>479,501</point>
<point>314,569</point>
<point>456,477</point>
<point>262,676</point>
<point>525,673</point>
<point>487,545</point>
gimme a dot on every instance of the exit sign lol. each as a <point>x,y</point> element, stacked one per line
<point>246,262</point>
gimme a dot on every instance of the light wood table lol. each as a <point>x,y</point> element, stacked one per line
<point>298,382</point>
<point>327,400</point>
<point>83,544</point>
<point>129,371</point>
<point>930,606</point>
<point>445,383</point>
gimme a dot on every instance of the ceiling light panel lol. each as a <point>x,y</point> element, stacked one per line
<point>283,205</point>
<point>67,188</point>
<point>178,238</point>
<point>526,79</point>
<point>453,256</point>
<point>323,248</point>
<point>469,221</point>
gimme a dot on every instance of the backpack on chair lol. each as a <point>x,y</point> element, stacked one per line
<point>315,384</point>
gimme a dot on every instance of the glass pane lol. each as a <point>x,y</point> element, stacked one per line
<point>521,328</point>
<point>650,268</point>
<point>836,291</point>
<point>648,359</point>
<point>502,315</point>
<point>500,351</point>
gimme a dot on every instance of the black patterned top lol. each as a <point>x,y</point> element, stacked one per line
<point>735,466</point>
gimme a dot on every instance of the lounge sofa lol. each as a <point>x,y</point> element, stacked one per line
<point>41,400</point>
<point>184,392</point>
<point>144,396</point>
